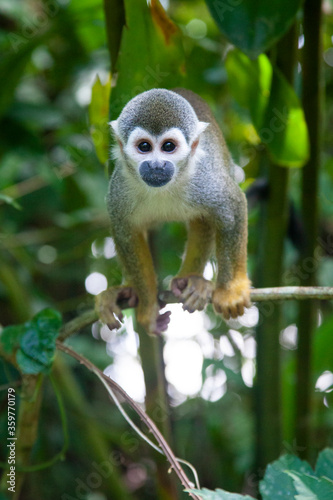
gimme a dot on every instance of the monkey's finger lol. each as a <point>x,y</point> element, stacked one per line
<point>247,302</point>
<point>200,303</point>
<point>124,293</point>
<point>218,308</point>
<point>226,313</point>
<point>113,326</point>
<point>178,285</point>
<point>234,311</point>
<point>127,293</point>
<point>188,307</point>
<point>188,292</point>
<point>200,300</point>
<point>162,322</point>
<point>114,322</point>
<point>240,309</point>
<point>116,311</point>
<point>133,300</point>
<point>195,302</point>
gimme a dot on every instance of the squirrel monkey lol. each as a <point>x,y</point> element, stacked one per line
<point>172,164</point>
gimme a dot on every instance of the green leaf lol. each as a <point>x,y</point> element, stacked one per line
<point>275,110</point>
<point>48,321</point>
<point>34,341</point>
<point>98,117</point>
<point>115,21</point>
<point>253,26</point>
<point>324,465</point>
<point>10,337</point>
<point>219,495</point>
<point>10,201</point>
<point>151,53</point>
<point>29,365</point>
<point>276,483</point>
<point>311,488</point>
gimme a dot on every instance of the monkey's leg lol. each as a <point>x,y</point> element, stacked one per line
<point>135,257</point>
<point>232,291</point>
<point>189,285</point>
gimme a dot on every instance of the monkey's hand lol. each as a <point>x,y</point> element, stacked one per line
<point>231,299</point>
<point>193,291</point>
<point>107,304</point>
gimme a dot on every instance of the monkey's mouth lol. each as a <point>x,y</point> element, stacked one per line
<point>156,173</point>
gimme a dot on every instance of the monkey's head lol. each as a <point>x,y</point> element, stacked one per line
<point>157,134</point>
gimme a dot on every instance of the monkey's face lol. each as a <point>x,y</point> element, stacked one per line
<point>157,159</point>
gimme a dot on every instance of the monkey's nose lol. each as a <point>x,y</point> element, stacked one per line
<point>156,173</point>
<point>158,165</point>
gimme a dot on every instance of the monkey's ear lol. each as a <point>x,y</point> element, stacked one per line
<point>201,127</point>
<point>115,129</point>
<point>114,126</point>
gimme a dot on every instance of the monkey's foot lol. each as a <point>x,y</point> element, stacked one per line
<point>107,304</point>
<point>193,291</point>
<point>152,321</point>
<point>231,300</point>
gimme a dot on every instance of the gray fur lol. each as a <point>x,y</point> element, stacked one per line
<point>210,194</point>
<point>155,111</point>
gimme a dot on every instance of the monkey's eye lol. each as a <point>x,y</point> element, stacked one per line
<point>144,147</point>
<point>168,146</point>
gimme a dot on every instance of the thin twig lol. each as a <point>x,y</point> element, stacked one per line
<point>139,432</point>
<point>142,414</point>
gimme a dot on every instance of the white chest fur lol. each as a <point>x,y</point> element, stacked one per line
<point>155,205</point>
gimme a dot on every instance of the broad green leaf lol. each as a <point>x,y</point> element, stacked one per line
<point>150,56</point>
<point>98,117</point>
<point>219,495</point>
<point>274,107</point>
<point>284,131</point>
<point>253,26</point>
<point>276,483</point>
<point>115,21</point>
<point>34,341</point>
<point>311,488</point>
<point>324,465</point>
<point>250,83</point>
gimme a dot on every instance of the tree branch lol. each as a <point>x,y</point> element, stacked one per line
<point>257,295</point>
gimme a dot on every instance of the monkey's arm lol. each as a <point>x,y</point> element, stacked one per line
<point>199,247</point>
<point>189,285</point>
<point>134,255</point>
<point>136,262</point>
<point>232,291</point>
